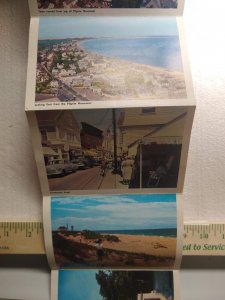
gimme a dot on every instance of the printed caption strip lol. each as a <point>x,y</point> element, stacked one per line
<point>27,238</point>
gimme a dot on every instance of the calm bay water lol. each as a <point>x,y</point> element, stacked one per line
<point>162,51</point>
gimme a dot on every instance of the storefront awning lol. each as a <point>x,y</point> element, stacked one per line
<point>132,151</point>
<point>47,151</point>
<point>171,140</point>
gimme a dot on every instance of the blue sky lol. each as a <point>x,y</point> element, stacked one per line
<point>72,27</point>
<point>78,285</point>
<point>114,212</point>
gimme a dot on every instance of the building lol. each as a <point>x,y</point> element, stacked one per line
<point>138,123</point>
<point>60,135</point>
<point>108,144</point>
<point>153,136</point>
<point>151,296</point>
<point>62,228</point>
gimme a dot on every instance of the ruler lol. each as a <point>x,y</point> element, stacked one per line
<point>28,238</point>
<point>21,238</point>
<point>204,239</point>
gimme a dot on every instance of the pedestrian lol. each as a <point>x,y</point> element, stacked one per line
<point>103,167</point>
<point>99,249</point>
<point>127,169</point>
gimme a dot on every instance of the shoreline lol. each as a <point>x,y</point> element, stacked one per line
<point>120,60</point>
<point>96,77</point>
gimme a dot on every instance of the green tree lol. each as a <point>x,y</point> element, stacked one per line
<point>124,285</point>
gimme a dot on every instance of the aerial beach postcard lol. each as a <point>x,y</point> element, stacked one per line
<point>108,60</point>
<point>114,231</point>
<point>113,285</point>
<point>70,4</point>
<point>123,149</point>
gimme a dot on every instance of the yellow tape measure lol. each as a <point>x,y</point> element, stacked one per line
<point>21,238</point>
<point>28,238</point>
<point>204,239</point>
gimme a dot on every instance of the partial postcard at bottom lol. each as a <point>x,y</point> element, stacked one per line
<point>131,231</point>
<point>108,284</point>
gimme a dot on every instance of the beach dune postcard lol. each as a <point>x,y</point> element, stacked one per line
<point>115,285</point>
<point>89,59</point>
<point>114,231</point>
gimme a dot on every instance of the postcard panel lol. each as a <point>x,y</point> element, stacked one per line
<point>128,231</point>
<point>102,284</point>
<point>105,7</point>
<point>104,151</point>
<point>108,62</point>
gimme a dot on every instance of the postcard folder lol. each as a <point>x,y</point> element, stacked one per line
<point>109,111</point>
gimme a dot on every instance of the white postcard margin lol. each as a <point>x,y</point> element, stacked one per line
<point>54,284</point>
<point>32,64</point>
<point>38,153</point>
<point>49,241</point>
<point>185,148</point>
<point>35,12</point>
<point>48,233</point>
<point>30,104</point>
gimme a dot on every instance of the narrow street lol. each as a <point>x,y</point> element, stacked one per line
<point>89,179</point>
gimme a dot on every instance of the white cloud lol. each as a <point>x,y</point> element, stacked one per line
<point>119,216</point>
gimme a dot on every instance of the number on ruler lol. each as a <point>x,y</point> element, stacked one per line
<point>204,236</point>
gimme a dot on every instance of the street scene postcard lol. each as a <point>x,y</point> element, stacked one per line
<point>121,150</point>
<point>110,7</point>
<point>114,231</point>
<point>93,62</point>
<point>113,285</point>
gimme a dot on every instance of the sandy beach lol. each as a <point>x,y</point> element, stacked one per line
<point>153,245</point>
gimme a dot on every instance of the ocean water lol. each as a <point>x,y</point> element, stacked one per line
<point>168,232</point>
<point>161,51</point>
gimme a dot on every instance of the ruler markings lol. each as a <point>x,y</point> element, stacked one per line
<point>27,238</point>
<point>21,238</point>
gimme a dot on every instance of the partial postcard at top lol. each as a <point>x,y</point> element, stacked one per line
<point>103,7</point>
<point>96,62</point>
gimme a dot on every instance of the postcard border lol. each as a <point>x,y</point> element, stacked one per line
<point>38,153</point>
<point>31,105</point>
<point>54,288</point>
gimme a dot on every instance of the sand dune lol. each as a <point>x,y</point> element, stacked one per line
<point>151,245</point>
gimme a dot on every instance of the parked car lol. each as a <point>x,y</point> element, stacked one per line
<point>60,167</point>
<point>88,161</point>
<point>79,163</point>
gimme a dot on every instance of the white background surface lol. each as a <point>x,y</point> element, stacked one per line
<point>33,284</point>
<point>20,197</point>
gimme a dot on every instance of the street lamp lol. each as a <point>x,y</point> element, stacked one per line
<point>140,142</point>
<point>115,168</point>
